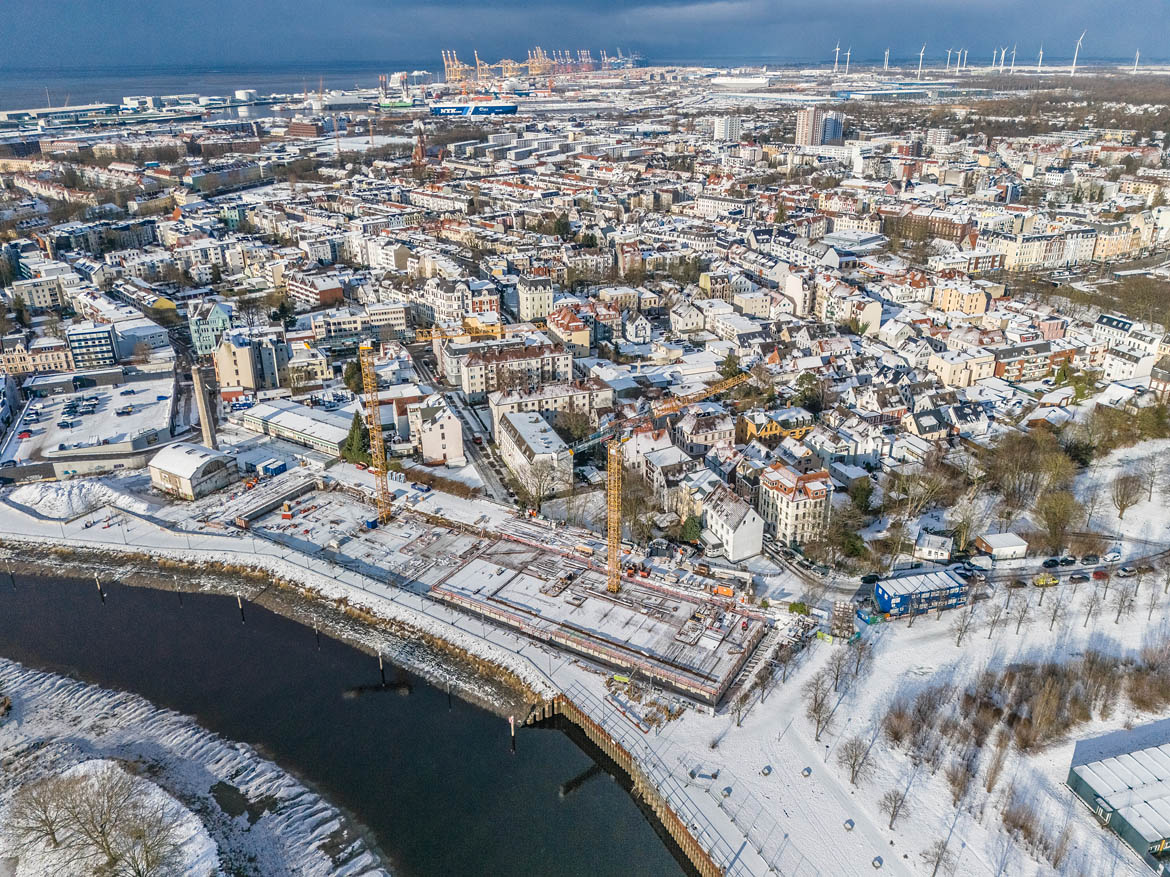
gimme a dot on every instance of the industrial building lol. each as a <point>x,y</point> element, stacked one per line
<point>1129,793</point>
<point>190,471</point>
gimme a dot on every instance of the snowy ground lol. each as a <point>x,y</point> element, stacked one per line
<point>810,813</point>
<point>1150,518</point>
<point>760,811</point>
<point>58,724</point>
<point>68,499</point>
<point>198,854</point>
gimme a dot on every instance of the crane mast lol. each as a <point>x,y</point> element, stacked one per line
<point>613,463</point>
<point>382,496</point>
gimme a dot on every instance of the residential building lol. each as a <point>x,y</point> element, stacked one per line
<point>534,453</point>
<point>795,505</point>
<point>731,522</point>
<point>436,431</point>
<point>252,362</point>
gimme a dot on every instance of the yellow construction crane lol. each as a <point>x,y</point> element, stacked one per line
<point>377,441</point>
<point>491,330</point>
<point>615,435</point>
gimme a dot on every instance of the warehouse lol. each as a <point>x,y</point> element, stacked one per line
<point>190,471</point>
<point>897,597</point>
<point>1130,793</point>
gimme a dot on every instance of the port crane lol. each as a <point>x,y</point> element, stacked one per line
<point>382,498</point>
<point>614,435</point>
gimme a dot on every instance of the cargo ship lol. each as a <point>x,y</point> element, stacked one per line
<point>473,107</point>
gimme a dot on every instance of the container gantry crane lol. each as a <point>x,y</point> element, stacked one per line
<point>382,497</point>
<point>614,436</point>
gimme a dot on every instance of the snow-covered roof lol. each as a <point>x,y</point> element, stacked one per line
<point>1137,786</point>
<point>183,459</point>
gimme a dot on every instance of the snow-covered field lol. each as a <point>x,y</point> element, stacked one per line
<point>58,724</point>
<point>823,818</point>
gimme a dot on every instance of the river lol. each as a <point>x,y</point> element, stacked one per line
<point>431,776</point>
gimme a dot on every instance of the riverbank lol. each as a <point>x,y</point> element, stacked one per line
<point>444,665</point>
<point>57,724</point>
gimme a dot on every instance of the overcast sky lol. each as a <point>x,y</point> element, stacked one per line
<point>72,33</point>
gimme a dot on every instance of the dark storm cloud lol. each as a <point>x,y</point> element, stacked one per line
<point>113,32</point>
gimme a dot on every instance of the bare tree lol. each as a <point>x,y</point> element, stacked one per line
<point>1152,600</point>
<point>838,666</point>
<point>1092,605</point>
<point>1123,600</point>
<point>95,811</point>
<point>543,478</point>
<point>37,814</point>
<point>148,844</point>
<point>1057,609</point>
<point>1125,491</point>
<point>964,621</point>
<point>960,773</point>
<point>818,703</point>
<point>998,757</point>
<point>1091,498</point>
<point>853,755</point>
<point>938,857</point>
<point>1022,613</point>
<point>893,804</point>
<point>862,654</point>
<point>785,657</point>
<point>997,613</point>
<point>1150,470</point>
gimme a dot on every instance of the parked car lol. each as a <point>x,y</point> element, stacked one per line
<point>1068,561</point>
<point>1126,572</point>
<point>1078,578</point>
<point>478,440</point>
<point>1090,559</point>
<point>1045,580</point>
<point>1051,563</point>
<point>1017,583</point>
<point>1100,575</point>
<point>25,434</point>
<point>1111,556</point>
<point>871,579</point>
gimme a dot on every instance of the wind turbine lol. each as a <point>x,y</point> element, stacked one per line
<point>1136,57</point>
<point>963,61</point>
<point>1002,58</point>
<point>994,58</point>
<point>836,55</point>
<point>1013,70</point>
<point>1040,60</point>
<point>886,64</point>
<point>949,60</point>
<point>1076,52</point>
<point>920,54</point>
<point>847,52</point>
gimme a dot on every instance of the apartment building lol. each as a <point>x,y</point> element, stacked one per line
<point>523,367</point>
<point>252,362</point>
<point>535,297</point>
<point>795,505</point>
<point>19,356</point>
<point>534,453</point>
<point>436,431</point>
<point>590,397</point>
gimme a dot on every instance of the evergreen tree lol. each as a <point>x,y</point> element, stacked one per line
<point>357,444</point>
<point>691,529</point>
<point>729,368</point>
<point>353,377</point>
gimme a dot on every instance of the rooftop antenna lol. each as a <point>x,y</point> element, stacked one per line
<point>1013,69</point>
<point>847,51</point>
<point>886,64</point>
<point>1137,56</point>
<point>1076,52</point>
<point>920,54</point>
<point>836,55</point>
<point>1040,60</point>
<point>949,60</point>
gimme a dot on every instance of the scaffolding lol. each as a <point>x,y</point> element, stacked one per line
<point>382,497</point>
